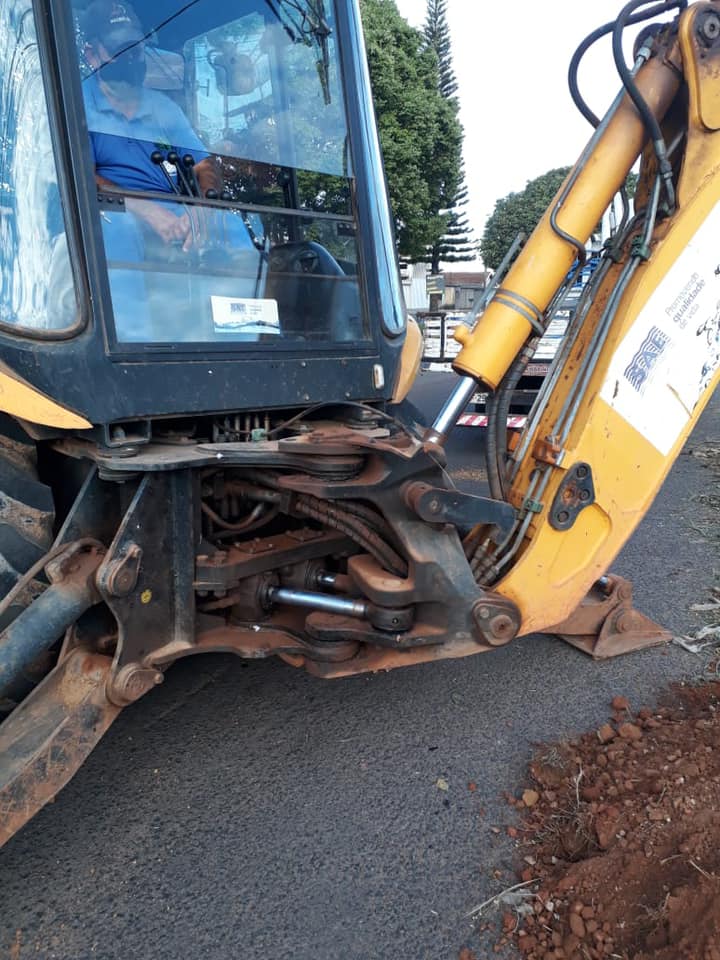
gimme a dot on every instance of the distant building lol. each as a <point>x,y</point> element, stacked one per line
<point>414,281</point>
<point>462,290</point>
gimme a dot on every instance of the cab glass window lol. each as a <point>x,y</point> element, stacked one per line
<point>221,157</point>
<point>37,291</point>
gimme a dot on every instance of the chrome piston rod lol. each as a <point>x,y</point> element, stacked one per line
<point>463,392</point>
<point>454,407</point>
<point>318,601</point>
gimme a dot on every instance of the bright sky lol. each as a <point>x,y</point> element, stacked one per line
<point>511,61</point>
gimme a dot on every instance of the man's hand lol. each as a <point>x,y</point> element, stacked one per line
<point>170,227</point>
<point>166,224</point>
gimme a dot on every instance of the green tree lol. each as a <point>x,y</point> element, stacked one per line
<point>456,243</point>
<point>437,37</point>
<point>518,212</point>
<point>521,212</point>
<point>420,134</point>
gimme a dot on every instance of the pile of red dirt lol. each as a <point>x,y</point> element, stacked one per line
<point>619,839</point>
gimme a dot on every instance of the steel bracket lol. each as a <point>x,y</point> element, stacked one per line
<point>606,623</point>
<point>575,493</point>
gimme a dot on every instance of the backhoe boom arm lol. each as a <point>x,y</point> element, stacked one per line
<point>643,357</point>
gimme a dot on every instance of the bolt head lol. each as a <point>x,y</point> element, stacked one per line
<point>501,625</point>
<point>711,27</point>
<point>625,591</point>
<point>494,627</point>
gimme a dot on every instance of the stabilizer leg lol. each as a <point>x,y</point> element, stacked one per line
<point>48,737</point>
<point>606,624</point>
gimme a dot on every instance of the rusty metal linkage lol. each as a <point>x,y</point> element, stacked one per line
<point>49,736</point>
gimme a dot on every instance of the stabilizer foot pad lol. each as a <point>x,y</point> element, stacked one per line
<point>606,624</point>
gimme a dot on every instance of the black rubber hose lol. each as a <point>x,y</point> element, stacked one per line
<point>354,528</point>
<point>375,520</point>
<point>497,490</point>
<point>648,118</point>
<point>331,514</point>
<point>598,34</point>
<point>504,399</point>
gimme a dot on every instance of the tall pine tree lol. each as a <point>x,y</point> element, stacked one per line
<point>456,243</point>
<point>420,134</point>
<point>437,37</point>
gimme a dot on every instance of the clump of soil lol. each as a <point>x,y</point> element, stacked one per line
<point>620,838</point>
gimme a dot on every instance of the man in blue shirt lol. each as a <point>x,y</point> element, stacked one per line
<point>129,122</point>
<point>133,129</point>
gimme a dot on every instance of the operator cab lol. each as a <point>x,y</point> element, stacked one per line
<point>251,94</point>
<point>200,179</point>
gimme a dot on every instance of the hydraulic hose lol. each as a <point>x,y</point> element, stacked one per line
<point>648,117</point>
<point>353,519</point>
<point>502,411</point>
<point>598,34</point>
<point>353,527</point>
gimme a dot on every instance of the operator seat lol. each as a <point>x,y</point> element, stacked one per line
<point>317,299</point>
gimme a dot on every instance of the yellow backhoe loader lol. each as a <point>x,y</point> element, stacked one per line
<point>204,354</point>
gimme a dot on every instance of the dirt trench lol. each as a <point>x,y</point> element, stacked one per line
<point>619,839</point>
<point>618,830</point>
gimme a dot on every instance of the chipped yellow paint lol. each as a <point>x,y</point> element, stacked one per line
<point>22,401</point>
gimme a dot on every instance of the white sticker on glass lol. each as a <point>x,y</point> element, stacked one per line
<point>236,315</point>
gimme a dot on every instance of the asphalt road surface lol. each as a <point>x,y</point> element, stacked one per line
<point>246,810</point>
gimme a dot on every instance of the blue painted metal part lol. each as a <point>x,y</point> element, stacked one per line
<point>45,620</point>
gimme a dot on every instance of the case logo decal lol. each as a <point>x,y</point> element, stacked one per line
<point>644,361</point>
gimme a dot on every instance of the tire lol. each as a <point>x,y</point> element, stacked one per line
<point>27,515</point>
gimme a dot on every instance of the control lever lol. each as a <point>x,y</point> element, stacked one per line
<point>212,194</point>
<point>174,158</point>
<point>188,162</point>
<point>159,158</point>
